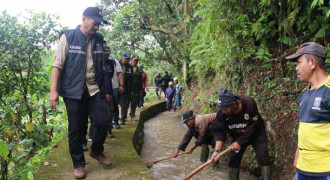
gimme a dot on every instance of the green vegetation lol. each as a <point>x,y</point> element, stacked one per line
<point>27,126</point>
<point>237,44</point>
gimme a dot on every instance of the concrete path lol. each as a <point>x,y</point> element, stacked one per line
<point>126,162</point>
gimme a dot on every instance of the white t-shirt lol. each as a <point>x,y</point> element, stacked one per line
<point>115,79</point>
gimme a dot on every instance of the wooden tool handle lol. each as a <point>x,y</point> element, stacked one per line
<point>206,164</point>
<point>169,157</point>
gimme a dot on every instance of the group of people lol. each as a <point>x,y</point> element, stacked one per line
<point>172,94</point>
<point>238,116</point>
<point>92,85</point>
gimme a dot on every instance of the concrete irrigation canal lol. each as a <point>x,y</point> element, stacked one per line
<point>154,136</point>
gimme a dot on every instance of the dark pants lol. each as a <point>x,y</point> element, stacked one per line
<point>124,104</point>
<point>141,98</point>
<point>76,111</point>
<point>261,150</point>
<point>169,103</point>
<point>115,99</point>
<point>305,177</point>
<point>134,102</point>
<point>110,107</point>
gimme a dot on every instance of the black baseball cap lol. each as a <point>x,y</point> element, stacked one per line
<point>106,49</point>
<point>226,98</point>
<point>95,13</point>
<point>308,48</point>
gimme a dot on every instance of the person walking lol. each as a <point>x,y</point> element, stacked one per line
<point>166,80</point>
<point>178,94</point>
<point>169,94</point>
<point>158,81</point>
<point>144,86</point>
<point>239,117</point>
<point>78,76</point>
<point>125,96</point>
<point>136,86</point>
<point>312,158</point>
<point>118,87</point>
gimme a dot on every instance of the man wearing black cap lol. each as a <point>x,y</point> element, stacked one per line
<point>202,127</point>
<point>125,96</point>
<point>78,76</point>
<point>239,117</point>
<point>312,158</point>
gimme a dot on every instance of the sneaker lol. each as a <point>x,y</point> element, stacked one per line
<point>89,139</point>
<point>85,148</point>
<point>122,122</point>
<point>117,126</point>
<point>79,173</point>
<point>102,159</point>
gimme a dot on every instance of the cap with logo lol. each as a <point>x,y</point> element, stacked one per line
<point>308,48</point>
<point>226,98</point>
<point>106,49</point>
<point>95,13</point>
<point>187,116</point>
<point>126,56</point>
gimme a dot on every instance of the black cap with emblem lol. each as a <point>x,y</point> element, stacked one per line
<point>95,13</point>
<point>226,98</point>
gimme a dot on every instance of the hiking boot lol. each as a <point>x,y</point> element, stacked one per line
<point>85,148</point>
<point>79,173</point>
<point>101,158</point>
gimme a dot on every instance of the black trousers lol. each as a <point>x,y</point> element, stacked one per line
<point>261,150</point>
<point>76,110</point>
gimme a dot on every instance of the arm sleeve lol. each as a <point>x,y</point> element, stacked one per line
<point>61,53</point>
<point>254,121</point>
<point>185,141</point>
<point>220,130</point>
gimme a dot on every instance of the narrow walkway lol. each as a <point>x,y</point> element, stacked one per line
<point>126,162</point>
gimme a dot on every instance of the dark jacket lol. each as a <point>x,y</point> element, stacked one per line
<point>137,80</point>
<point>128,77</point>
<point>158,80</point>
<point>243,127</point>
<point>109,65</point>
<point>72,77</point>
<point>166,80</point>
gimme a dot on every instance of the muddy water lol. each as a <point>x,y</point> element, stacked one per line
<point>163,134</point>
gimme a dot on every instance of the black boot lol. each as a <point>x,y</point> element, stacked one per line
<point>266,172</point>
<point>233,174</point>
<point>110,135</point>
<point>204,154</point>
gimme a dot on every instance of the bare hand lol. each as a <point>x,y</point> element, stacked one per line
<point>235,147</point>
<point>107,97</point>
<point>214,154</point>
<point>175,153</point>
<point>53,99</point>
<point>121,89</point>
<point>190,150</point>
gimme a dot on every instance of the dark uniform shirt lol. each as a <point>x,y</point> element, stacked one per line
<point>243,127</point>
<point>158,80</point>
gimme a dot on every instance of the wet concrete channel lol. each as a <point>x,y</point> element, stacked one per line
<point>162,134</point>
